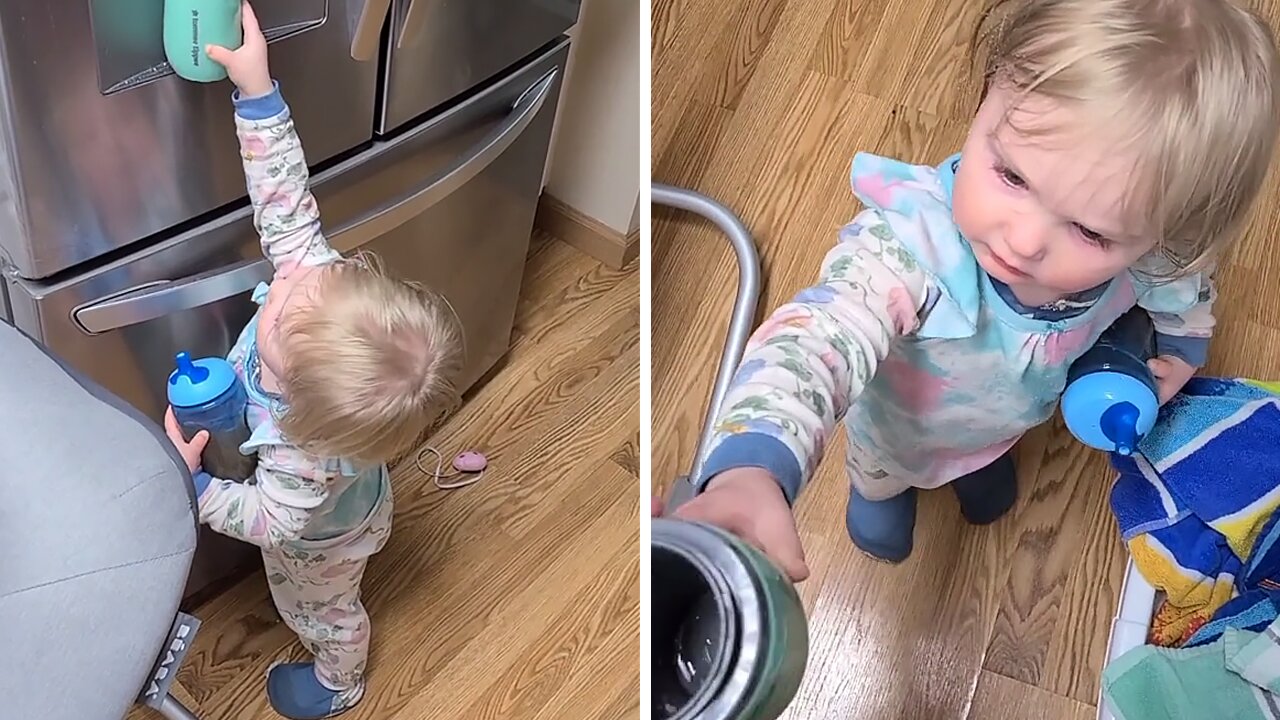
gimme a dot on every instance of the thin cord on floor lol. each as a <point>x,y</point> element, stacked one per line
<point>439,475</point>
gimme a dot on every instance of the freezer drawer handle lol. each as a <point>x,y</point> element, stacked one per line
<point>155,300</point>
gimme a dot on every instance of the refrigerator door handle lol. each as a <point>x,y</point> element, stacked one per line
<point>415,19</point>
<point>368,30</point>
<point>158,299</point>
<point>389,216</point>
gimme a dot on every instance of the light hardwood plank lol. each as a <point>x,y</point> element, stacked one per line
<point>1006,699</point>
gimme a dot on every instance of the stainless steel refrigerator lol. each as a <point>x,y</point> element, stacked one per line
<point>125,230</point>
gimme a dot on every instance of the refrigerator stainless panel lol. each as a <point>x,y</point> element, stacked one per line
<point>454,188</point>
<point>439,49</point>
<point>104,147</point>
<point>449,203</point>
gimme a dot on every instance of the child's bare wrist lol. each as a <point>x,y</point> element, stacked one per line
<point>257,86</point>
<point>755,480</point>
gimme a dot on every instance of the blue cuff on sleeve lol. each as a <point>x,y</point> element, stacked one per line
<point>201,481</point>
<point>755,450</point>
<point>1194,351</point>
<point>260,107</point>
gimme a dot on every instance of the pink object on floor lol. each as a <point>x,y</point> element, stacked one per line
<point>470,461</point>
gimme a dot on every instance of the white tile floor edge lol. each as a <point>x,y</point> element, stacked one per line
<point>1131,623</point>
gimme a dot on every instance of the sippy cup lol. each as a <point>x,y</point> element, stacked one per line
<point>1111,399</point>
<point>190,25</point>
<point>206,395</point>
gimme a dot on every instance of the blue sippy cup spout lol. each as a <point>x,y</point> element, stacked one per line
<point>1120,425</point>
<point>199,382</point>
<point>192,372</point>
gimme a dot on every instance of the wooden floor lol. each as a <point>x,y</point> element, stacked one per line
<point>761,104</point>
<point>517,597</point>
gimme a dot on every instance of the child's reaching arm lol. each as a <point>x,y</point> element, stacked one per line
<point>284,210</point>
<point>801,370</point>
<point>289,485</point>
<point>813,356</point>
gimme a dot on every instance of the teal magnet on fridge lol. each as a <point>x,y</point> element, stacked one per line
<point>192,25</point>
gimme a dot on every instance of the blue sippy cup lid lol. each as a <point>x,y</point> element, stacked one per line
<point>1110,411</point>
<point>196,382</point>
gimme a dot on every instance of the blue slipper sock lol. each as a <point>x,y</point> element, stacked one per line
<point>883,529</point>
<point>988,494</point>
<point>296,693</point>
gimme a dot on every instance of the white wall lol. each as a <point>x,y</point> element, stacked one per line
<point>595,153</point>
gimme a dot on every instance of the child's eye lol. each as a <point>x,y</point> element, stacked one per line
<point>1093,238</point>
<point>1010,178</point>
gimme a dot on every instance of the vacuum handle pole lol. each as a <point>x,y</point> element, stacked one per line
<point>744,304</point>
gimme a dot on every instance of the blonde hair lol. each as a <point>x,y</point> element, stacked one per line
<point>1189,85</point>
<point>370,367</point>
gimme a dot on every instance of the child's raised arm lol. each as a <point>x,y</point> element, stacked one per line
<point>284,210</point>
<point>275,168</point>
<point>812,357</point>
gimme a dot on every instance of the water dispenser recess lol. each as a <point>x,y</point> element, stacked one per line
<point>128,35</point>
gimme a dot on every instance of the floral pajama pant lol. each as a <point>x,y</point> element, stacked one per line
<point>316,588</point>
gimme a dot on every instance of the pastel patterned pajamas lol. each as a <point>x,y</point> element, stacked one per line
<point>318,520</point>
<point>316,588</point>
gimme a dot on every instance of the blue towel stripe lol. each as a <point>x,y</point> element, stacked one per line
<point>1245,445</point>
<point>1198,549</point>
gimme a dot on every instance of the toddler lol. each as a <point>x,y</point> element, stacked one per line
<point>1114,156</point>
<point>344,369</point>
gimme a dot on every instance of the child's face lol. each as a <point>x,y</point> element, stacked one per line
<point>1044,214</point>
<point>288,294</point>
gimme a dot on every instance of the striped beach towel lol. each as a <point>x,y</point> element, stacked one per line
<point>1194,501</point>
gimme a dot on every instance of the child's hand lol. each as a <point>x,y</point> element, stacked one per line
<point>247,65</point>
<point>190,451</point>
<point>1171,374</point>
<point>749,503</point>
